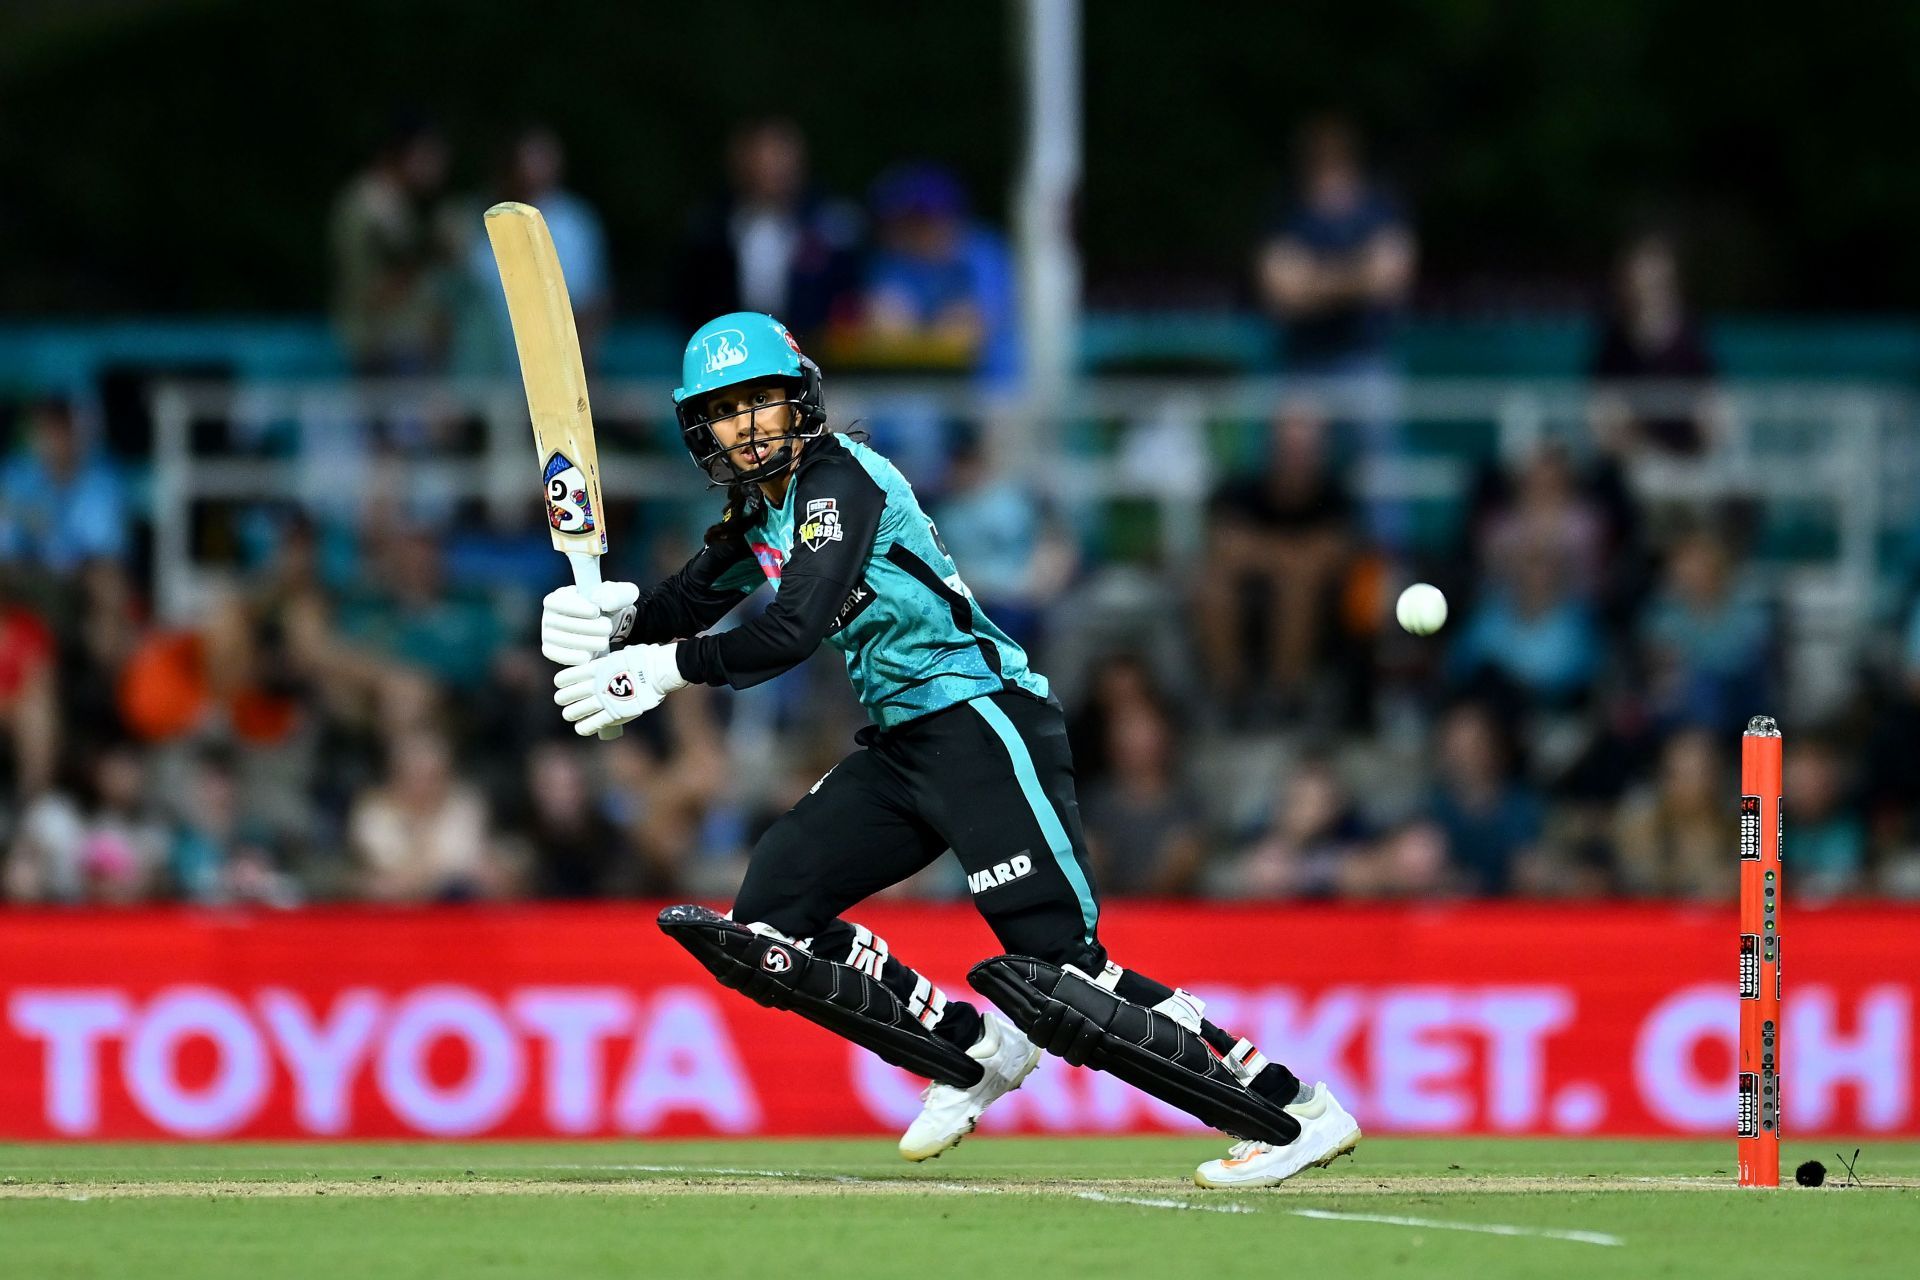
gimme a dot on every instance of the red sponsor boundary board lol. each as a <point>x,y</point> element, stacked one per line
<point>556,1021</point>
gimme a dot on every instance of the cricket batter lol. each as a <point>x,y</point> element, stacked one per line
<point>967,751</point>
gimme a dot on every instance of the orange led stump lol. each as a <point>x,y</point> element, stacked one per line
<point>1762,833</point>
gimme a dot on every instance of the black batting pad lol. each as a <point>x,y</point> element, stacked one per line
<point>769,970</point>
<point>1089,1026</point>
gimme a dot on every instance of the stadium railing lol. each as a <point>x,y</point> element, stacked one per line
<point>1833,468</point>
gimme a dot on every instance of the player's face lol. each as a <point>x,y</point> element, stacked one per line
<point>749,420</point>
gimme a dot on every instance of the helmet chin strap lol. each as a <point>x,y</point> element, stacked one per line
<point>792,444</point>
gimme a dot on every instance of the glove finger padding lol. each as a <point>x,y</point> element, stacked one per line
<point>611,597</point>
<point>577,630</point>
<point>566,624</point>
<point>567,655</point>
<point>599,715</point>
<point>580,687</point>
<point>571,602</point>
<point>574,641</point>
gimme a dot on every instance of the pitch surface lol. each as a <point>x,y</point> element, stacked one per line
<point>1045,1207</point>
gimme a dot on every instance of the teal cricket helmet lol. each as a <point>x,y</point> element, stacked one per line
<point>745,346</point>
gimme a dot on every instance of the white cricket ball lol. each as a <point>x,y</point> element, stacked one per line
<point>1422,609</point>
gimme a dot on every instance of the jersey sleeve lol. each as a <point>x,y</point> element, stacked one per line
<point>837,513</point>
<point>699,595</point>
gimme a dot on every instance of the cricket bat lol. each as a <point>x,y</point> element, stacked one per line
<point>556,382</point>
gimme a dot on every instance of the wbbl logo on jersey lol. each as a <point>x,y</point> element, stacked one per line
<point>822,524</point>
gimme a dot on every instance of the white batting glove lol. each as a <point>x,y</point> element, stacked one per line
<point>577,626</point>
<point>621,686</point>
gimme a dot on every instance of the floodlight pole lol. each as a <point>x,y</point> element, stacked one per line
<point>1044,198</point>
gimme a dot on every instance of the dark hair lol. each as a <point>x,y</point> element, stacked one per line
<point>745,503</point>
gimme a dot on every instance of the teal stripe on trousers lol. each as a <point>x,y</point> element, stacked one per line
<point>1056,835</point>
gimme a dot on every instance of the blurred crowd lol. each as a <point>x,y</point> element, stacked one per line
<point>354,715</point>
<point>908,278</point>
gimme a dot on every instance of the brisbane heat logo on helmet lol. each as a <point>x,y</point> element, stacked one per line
<point>724,349</point>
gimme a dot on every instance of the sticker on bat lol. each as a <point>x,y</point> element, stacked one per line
<point>569,509</point>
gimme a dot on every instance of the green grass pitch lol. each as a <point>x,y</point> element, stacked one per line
<point>1033,1207</point>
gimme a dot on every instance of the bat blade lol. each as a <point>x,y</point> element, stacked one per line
<point>556,382</point>
<point>555,379</point>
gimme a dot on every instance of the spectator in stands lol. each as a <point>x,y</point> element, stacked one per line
<point>1547,515</point>
<point>773,242</point>
<point>939,286</point>
<point>221,677</point>
<point>1653,366</point>
<point>106,623</point>
<point>666,782</point>
<point>1530,637</point>
<point>1589,514</point>
<point>1607,753</point>
<point>295,607</point>
<point>423,836</point>
<point>1886,783</point>
<point>1335,271</point>
<point>1827,839</point>
<point>44,856</point>
<point>1673,835</point>
<point>60,500</point>
<point>1278,547</point>
<point>531,172</point>
<point>1017,560</point>
<point>1313,842</point>
<point>127,838</point>
<point>937,295</point>
<point>29,709</point>
<point>1123,683</point>
<point>221,853</point>
<point>575,849</point>
<point>407,613</point>
<point>1143,824</point>
<point>1489,817</point>
<point>1338,264</point>
<point>396,253</point>
<point>1407,862</point>
<point>1708,638</point>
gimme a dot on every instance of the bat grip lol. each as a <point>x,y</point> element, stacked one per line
<point>586,576</point>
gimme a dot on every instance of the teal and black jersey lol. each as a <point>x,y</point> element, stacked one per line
<point>856,563</point>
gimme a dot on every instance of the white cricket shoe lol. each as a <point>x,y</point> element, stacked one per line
<point>950,1113</point>
<point>1327,1132</point>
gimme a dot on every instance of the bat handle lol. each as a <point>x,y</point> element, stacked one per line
<point>586,576</point>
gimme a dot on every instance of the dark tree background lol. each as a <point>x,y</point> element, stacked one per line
<point>168,155</point>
